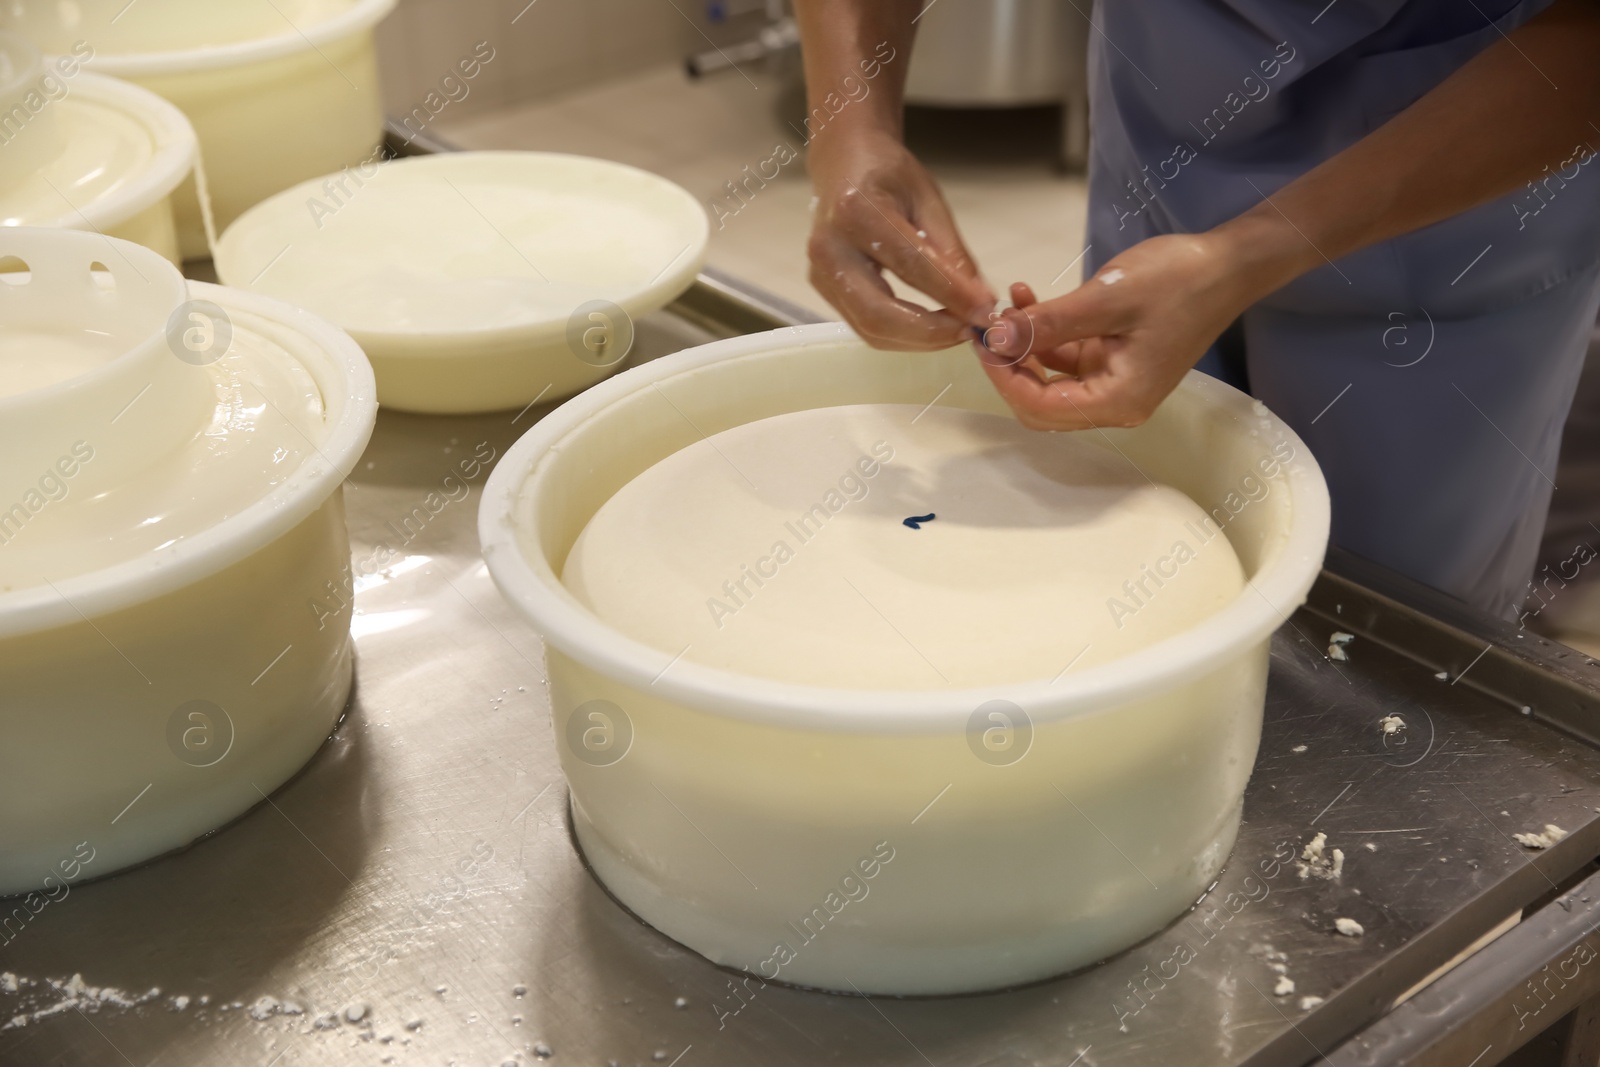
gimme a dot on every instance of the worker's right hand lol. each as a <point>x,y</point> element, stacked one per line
<point>878,209</point>
<point>1108,352</point>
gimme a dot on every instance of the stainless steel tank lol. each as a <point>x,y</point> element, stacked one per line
<point>1006,53</point>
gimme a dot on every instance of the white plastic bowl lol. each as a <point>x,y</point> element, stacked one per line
<point>476,281</point>
<point>278,90</point>
<point>87,152</point>
<point>741,816</point>
<point>151,694</point>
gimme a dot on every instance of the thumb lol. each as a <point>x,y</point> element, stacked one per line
<point>1088,311</point>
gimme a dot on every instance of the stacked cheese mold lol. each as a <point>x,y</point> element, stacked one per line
<point>916,840</point>
<point>170,516</point>
<point>279,90</point>
<point>86,152</point>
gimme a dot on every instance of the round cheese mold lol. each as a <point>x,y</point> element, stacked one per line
<point>172,541</point>
<point>781,548</point>
<point>278,90</point>
<point>87,152</point>
<point>926,838</point>
<point>476,281</point>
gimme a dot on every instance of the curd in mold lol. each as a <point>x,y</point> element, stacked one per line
<point>781,549</point>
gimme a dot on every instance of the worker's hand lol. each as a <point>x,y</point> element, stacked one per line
<point>1107,353</point>
<point>878,209</point>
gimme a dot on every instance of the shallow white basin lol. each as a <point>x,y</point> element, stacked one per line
<point>476,281</point>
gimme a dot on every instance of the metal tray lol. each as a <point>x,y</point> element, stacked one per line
<point>421,869</point>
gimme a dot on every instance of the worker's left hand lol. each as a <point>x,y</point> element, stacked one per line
<point>1107,353</point>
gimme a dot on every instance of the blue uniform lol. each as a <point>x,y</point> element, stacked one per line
<point>1431,374</point>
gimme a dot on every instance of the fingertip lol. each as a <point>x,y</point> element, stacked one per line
<point>1017,329</point>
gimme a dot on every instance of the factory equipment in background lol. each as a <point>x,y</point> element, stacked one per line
<point>776,43</point>
<point>1006,53</point>
<point>968,54</point>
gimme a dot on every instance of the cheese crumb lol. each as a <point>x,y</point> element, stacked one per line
<point>1441,675</point>
<point>1552,834</point>
<point>1312,853</point>
<point>1392,724</point>
<point>1349,927</point>
<point>1307,1003</point>
<point>1317,859</point>
<point>1113,276</point>
<point>1298,748</point>
<point>1339,637</point>
<point>1284,987</point>
<point>1336,652</point>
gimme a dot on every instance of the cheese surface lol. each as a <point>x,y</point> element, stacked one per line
<point>782,549</point>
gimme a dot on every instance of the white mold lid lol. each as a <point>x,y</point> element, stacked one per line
<point>470,244</point>
<point>121,149</point>
<point>284,414</point>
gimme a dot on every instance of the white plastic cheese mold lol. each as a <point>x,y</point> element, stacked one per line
<point>173,645</point>
<point>936,841</point>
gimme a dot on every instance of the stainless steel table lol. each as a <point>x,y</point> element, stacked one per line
<point>420,871</point>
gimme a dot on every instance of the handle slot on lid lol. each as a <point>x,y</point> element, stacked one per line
<point>136,298</point>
